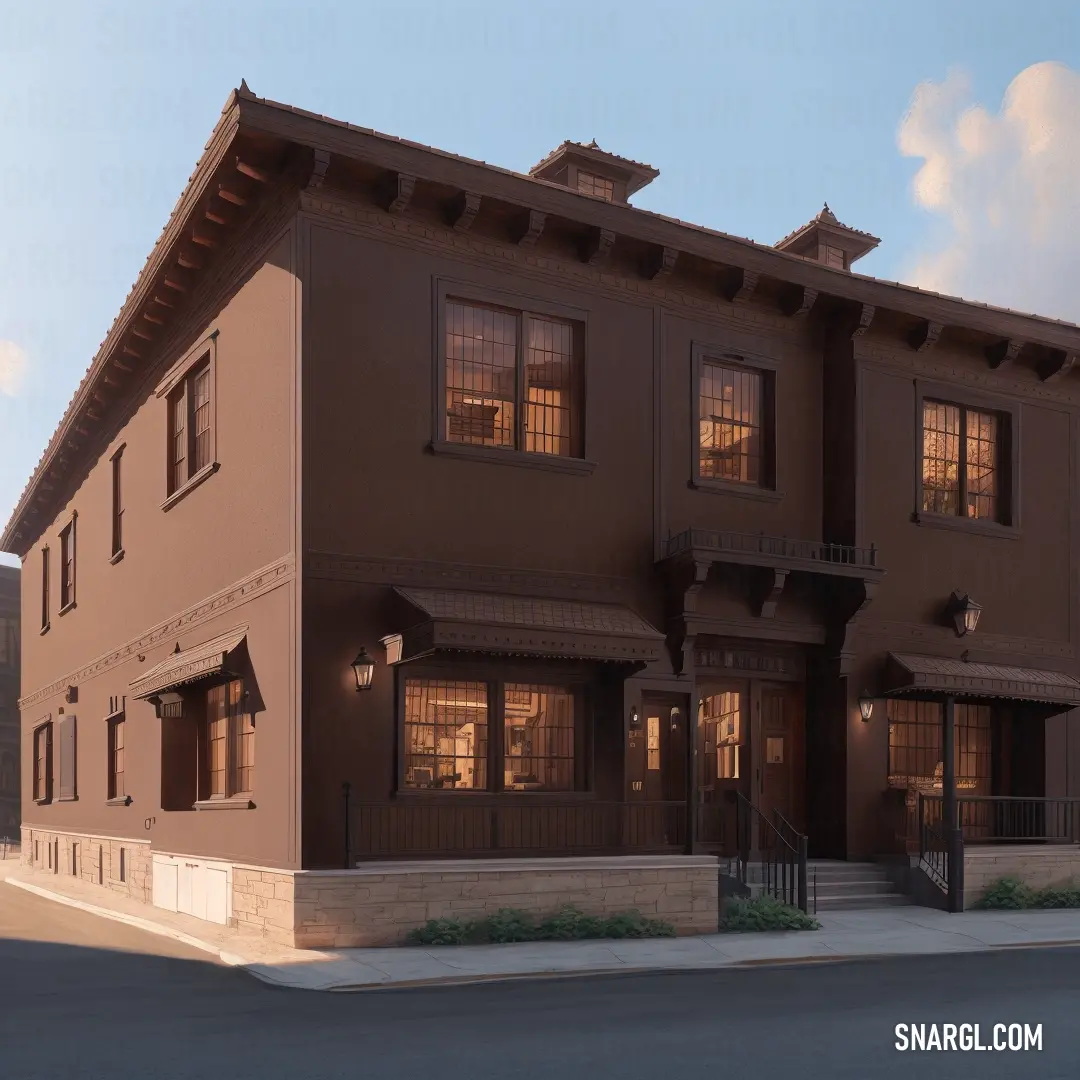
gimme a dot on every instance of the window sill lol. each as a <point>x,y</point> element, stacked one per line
<point>44,801</point>
<point>963,524</point>
<point>524,458</point>
<point>731,487</point>
<point>120,800</point>
<point>116,557</point>
<point>45,629</point>
<point>67,798</point>
<point>236,803</point>
<point>66,608</point>
<point>190,485</point>
<point>425,795</point>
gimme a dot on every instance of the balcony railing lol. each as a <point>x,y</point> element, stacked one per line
<point>781,547</point>
<point>1002,819</point>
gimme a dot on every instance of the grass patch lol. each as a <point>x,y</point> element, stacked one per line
<point>1011,894</point>
<point>510,924</point>
<point>763,913</point>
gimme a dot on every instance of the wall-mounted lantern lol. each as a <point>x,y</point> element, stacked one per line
<point>866,706</point>
<point>364,670</point>
<point>965,613</point>
<point>635,719</point>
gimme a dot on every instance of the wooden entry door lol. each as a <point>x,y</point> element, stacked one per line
<point>778,753</point>
<point>723,763</point>
<point>656,772</point>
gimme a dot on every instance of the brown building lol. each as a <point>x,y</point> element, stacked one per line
<point>9,704</point>
<point>633,520</point>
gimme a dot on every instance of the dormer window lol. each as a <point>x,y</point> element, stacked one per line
<point>589,184</point>
<point>834,256</point>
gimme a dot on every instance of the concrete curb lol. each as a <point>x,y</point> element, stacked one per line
<point>227,958</point>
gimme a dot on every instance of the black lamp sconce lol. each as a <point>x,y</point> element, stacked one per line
<point>963,613</point>
<point>364,669</point>
<point>866,706</point>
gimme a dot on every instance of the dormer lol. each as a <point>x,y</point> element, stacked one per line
<point>585,168</point>
<point>826,240</point>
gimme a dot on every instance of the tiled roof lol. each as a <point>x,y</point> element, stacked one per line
<point>188,665</point>
<point>594,148</point>
<point>826,217</point>
<point>525,611</point>
<point>974,678</point>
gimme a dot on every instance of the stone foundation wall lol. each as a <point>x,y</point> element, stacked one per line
<point>379,903</point>
<point>122,866</point>
<point>1035,866</point>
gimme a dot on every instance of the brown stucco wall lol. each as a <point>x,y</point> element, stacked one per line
<point>221,556</point>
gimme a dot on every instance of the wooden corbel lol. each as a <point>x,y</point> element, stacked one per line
<point>598,247</point>
<point>925,335</point>
<point>1057,366</point>
<point>231,196</point>
<point>743,285</point>
<point>797,301</point>
<point>773,582</point>
<point>660,262</point>
<point>463,210</point>
<point>530,230</point>
<point>403,187</point>
<point>319,166</point>
<point>252,171</point>
<point>1003,353</point>
<point>866,317</point>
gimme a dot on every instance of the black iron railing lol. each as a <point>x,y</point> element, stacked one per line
<point>474,827</point>
<point>934,854</point>
<point>1006,819</point>
<point>774,546</point>
<point>772,854</point>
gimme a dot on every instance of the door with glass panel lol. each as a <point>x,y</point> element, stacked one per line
<point>723,763</point>
<point>656,773</point>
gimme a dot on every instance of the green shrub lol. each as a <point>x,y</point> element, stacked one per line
<point>509,924</point>
<point>1006,894</point>
<point>505,925</point>
<point>761,913</point>
<point>569,924</point>
<point>1058,896</point>
<point>632,924</point>
<point>440,932</point>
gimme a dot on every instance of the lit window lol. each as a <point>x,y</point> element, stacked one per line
<point>732,434</point>
<point>961,461</point>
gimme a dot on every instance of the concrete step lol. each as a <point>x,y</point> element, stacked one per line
<point>851,887</point>
<point>865,902</point>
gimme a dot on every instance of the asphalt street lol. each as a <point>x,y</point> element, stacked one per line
<point>82,998</point>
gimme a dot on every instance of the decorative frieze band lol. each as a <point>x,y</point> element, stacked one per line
<point>386,571</point>
<point>233,596</point>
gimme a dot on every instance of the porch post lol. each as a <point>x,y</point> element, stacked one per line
<point>952,833</point>
<point>692,714</point>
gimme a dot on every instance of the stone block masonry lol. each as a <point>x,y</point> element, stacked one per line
<point>1037,866</point>
<point>379,903</point>
<point>119,865</point>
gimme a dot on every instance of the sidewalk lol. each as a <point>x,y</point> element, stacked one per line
<point>847,935</point>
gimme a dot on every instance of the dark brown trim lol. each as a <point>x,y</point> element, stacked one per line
<point>767,487</point>
<point>1010,492</point>
<point>66,608</point>
<point>116,557</point>
<point>235,802</point>
<point>203,474</point>
<point>493,455</point>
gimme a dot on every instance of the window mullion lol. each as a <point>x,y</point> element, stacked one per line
<point>496,750</point>
<point>189,425</point>
<point>962,508</point>
<point>520,392</point>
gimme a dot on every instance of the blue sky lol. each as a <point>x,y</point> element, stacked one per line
<point>755,113</point>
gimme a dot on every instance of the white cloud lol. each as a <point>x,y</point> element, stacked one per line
<point>12,368</point>
<point>1006,188</point>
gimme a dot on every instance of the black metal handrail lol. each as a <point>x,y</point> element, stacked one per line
<point>782,863</point>
<point>776,546</point>
<point>934,855</point>
<point>1010,819</point>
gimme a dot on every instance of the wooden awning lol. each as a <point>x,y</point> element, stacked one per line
<point>185,666</point>
<point>935,676</point>
<point>522,626</point>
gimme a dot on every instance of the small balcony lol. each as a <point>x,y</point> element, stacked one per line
<point>757,549</point>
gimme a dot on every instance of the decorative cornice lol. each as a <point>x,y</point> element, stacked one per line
<point>404,186</point>
<point>463,211</point>
<point>925,335</point>
<point>531,230</point>
<point>386,571</point>
<point>866,317</point>
<point>233,596</point>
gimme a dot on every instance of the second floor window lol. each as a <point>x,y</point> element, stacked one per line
<point>44,588</point>
<point>67,566</point>
<point>190,426</point>
<point>43,763</point>
<point>116,787</point>
<point>513,380</point>
<point>962,461</point>
<point>117,505</point>
<point>734,440</point>
<point>230,742</point>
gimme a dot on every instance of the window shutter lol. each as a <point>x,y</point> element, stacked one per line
<point>67,757</point>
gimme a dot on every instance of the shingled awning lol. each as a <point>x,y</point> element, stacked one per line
<point>523,626</point>
<point>907,673</point>
<point>189,665</point>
